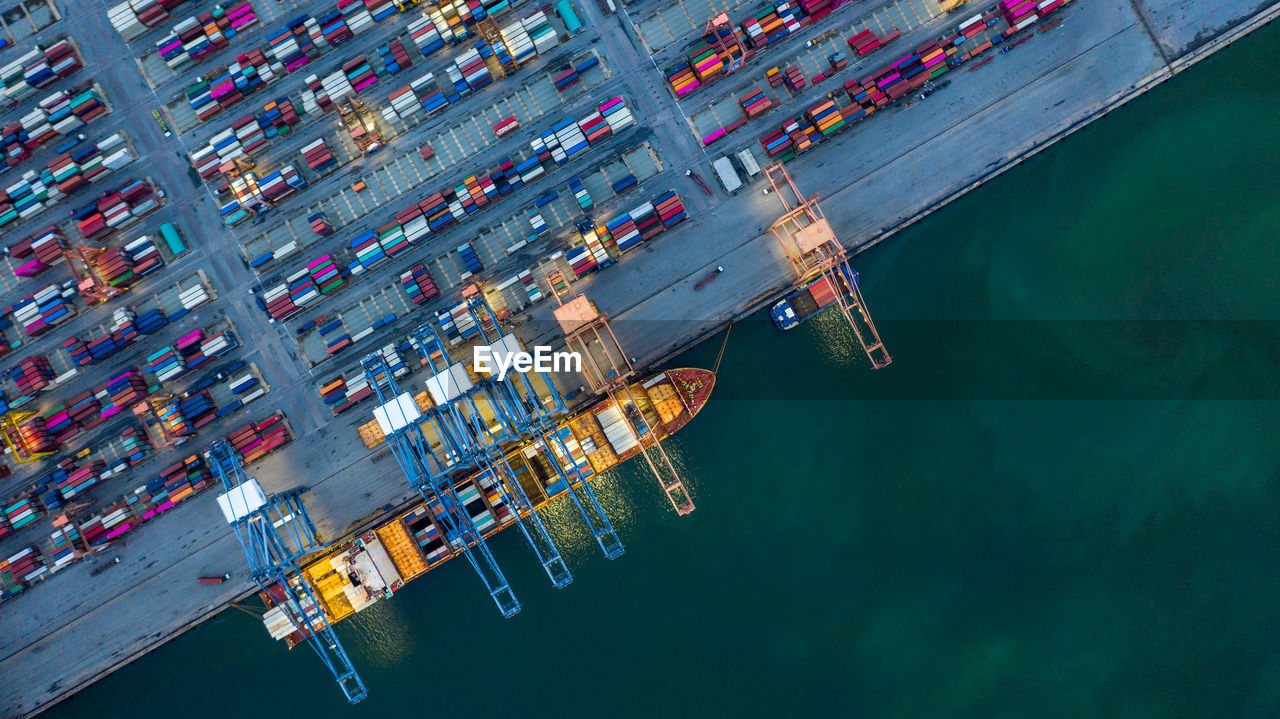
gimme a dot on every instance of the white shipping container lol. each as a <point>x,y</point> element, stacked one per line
<point>285,250</point>
<point>253,395</point>
<point>117,160</point>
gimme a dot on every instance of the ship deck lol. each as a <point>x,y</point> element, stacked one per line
<point>664,401</point>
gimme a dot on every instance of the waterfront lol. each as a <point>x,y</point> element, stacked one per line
<point>1026,514</point>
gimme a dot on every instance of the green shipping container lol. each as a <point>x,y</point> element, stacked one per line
<point>570,18</point>
<point>82,98</point>
<point>172,238</point>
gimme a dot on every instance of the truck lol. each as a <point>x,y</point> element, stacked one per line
<point>320,224</point>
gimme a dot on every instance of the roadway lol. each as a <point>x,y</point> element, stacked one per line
<point>886,173</point>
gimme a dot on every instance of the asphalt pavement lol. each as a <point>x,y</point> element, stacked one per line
<point>874,179</point>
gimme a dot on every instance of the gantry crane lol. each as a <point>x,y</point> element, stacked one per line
<point>527,410</point>
<point>243,184</point>
<point>492,34</point>
<point>98,290</point>
<point>722,35</point>
<point>815,252</point>
<point>67,518</point>
<point>477,441</point>
<point>400,420</point>
<point>582,322</point>
<point>11,432</point>
<point>275,532</point>
<point>148,410</point>
<point>359,124</point>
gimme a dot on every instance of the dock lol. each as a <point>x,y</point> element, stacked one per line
<point>621,138</point>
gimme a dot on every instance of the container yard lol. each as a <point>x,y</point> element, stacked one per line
<point>329,205</point>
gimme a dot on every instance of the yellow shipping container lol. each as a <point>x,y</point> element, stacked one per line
<point>328,585</point>
<point>664,399</point>
<point>404,552</point>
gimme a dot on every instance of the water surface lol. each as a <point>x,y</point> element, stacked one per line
<point>1059,501</point>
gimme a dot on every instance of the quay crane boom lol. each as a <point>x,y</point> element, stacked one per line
<point>815,251</point>
<point>400,420</point>
<point>529,413</point>
<point>477,443</point>
<point>582,322</point>
<point>275,532</point>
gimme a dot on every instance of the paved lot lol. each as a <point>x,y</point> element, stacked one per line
<point>23,19</point>
<point>874,178</point>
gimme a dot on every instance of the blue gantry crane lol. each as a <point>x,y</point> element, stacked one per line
<point>534,415</point>
<point>400,420</point>
<point>275,532</point>
<point>477,439</point>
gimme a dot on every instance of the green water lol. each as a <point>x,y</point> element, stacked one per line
<point>1059,501</point>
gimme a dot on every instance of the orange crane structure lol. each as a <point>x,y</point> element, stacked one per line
<point>610,372</point>
<point>815,252</point>
<point>725,38</point>
<point>243,185</point>
<point>148,410</point>
<point>359,124</point>
<point>492,34</point>
<point>92,288</point>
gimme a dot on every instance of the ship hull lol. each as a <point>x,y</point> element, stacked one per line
<point>665,402</point>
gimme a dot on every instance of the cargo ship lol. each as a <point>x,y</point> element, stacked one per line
<point>359,570</point>
<point>807,301</point>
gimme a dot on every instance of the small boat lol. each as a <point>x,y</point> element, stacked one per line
<point>806,302</point>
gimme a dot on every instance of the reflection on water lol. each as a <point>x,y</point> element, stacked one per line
<point>380,634</point>
<point>905,557</point>
<point>837,346</point>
